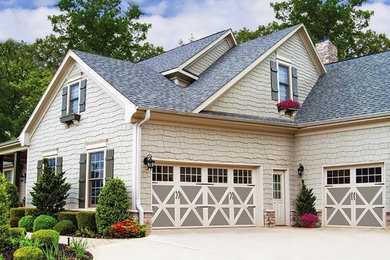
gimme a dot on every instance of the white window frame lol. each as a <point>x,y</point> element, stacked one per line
<point>289,67</point>
<point>48,158</point>
<point>68,86</point>
<point>9,170</point>
<point>87,177</point>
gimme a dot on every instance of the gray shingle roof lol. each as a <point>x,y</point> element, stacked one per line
<point>230,65</point>
<point>174,58</point>
<point>356,87</point>
<point>140,84</point>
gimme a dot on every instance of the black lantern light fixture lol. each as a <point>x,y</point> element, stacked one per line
<point>300,169</point>
<point>149,162</point>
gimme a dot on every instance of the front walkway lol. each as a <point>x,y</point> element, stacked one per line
<point>251,243</point>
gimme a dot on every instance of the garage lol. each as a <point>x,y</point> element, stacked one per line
<point>200,196</point>
<point>355,196</point>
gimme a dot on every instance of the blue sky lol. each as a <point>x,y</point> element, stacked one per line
<point>171,19</point>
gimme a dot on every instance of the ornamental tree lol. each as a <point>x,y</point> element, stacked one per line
<point>50,191</point>
<point>305,202</point>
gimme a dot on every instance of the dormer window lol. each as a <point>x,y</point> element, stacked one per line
<point>284,83</point>
<point>73,107</point>
<point>73,101</point>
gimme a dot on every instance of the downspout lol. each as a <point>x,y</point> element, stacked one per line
<point>138,171</point>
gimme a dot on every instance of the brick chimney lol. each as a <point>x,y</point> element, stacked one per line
<point>327,50</point>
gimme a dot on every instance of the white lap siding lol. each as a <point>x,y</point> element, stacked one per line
<point>207,145</point>
<point>102,119</point>
<point>351,147</point>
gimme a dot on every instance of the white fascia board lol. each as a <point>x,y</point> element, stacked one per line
<point>178,70</point>
<point>199,54</point>
<point>226,87</point>
<point>38,114</point>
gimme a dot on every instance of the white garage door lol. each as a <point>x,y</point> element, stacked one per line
<point>202,196</point>
<point>354,196</point>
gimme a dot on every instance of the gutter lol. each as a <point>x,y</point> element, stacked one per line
<point>137,176</point>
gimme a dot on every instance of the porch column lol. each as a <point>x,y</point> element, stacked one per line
<point>1,163</point>
<point>17,169</point>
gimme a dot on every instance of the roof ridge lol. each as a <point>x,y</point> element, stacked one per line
<point>355,58</point>
<point>186,44</point>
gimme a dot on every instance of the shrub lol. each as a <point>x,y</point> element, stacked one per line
<point>17,212</point>
<point>305,201</point>
<point>127,229</point>
<point>17,232</point>
<point>4,203</point>
<point>50,191</point>
<point>45,236</point>
<point>44,222</point>
<point>308,219</point>
<point>29,253</point>
<point>13,221</point>
<point>65,227</point>
<point>113,205</point>
<point>31,211</point>
<point>79,247</point>
<point>86,219</point>
<point>68,215</point>
<point>27,222</point>
<point>5,237</point>
<point>13,195</point>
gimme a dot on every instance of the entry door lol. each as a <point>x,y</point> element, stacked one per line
<point>355,197</point>
<point>278,197</point>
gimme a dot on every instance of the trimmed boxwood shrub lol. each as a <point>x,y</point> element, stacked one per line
<point>27,222</point>
<point>31,211</point>
<point>28,253</point>
<point>44,222</point>
<point>5,237</point>
<point>86,219</point>
<point>13,221</point>
<point>113,205</point>
<point>13,195</point>
<point>17,232</point>
<point>17,212</point>
<point>65,227</point>
<point>45,236</point>
<point>68,215</point>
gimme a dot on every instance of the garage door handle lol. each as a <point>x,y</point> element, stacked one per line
<point>380,183</point>
<point>178,194</point>
<point>379,207</point>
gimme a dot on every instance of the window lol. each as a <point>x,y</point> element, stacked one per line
<point>162,173</point>
<point>215,175</point>
<point>73,107</point>
<point>277,186</point>
<point>96,175</point>
<point>242,176</point>
<point>284,83</point>
<point>369,175</point>
<point>51,162</point>
<point>8,175</point>
<point>190,174</point>
<point>341,176</point>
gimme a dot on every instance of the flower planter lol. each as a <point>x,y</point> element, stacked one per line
<point>310,225</point>
<point>69,119</point>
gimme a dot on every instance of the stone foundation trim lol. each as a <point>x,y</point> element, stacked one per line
<point>269,218</point>
<point>148,216</point>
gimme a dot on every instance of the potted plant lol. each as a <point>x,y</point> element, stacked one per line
<point>288,106</point>
<point>308,220</point>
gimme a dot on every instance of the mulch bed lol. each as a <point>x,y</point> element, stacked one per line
<point>8,254</point>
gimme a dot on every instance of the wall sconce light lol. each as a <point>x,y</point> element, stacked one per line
<point>149,162</point>
<point>300,169</point>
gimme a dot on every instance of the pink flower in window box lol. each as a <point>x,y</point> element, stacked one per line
<point>288,105</point>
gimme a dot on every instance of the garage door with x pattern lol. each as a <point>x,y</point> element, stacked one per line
<point>202,196</point>
<point>354,196</point>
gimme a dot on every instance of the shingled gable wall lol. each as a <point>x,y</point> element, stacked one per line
<point>252,94</point>
<point>102,119</point>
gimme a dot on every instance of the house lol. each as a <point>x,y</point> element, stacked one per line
<point>206,114</point>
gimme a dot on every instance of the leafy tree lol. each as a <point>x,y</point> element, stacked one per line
<point>13,195</point>
<point>102,27</point>
<point>4,203</point>
<point>342,20</point>
<point>50,191</point>
<point>305,202</point>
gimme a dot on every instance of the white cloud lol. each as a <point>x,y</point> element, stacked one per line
<point>24,24</point>
<point>41,3</point>
<point>157,9</point>
<point>207,17</point>
<point>380,20</point>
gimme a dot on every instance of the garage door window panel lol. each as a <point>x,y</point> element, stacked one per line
<point>342,176</point>
<point>242,176</point>
<point>217,175</point>
<point>162,173</point>
<point>369,175</point>
<point>190,174</point>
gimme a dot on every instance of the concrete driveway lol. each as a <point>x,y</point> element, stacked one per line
<point>252,243</point>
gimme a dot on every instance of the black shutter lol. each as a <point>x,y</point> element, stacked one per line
<point>109,164</point>
<point>274,80</point>
<point>83,94</point>
<point>39,169</point>
<point>294,74</point>
<point>82,179</point>
<point>59,164</point>
<point>64,101</point>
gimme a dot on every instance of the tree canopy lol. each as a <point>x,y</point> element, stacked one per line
<point>341,20</point>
